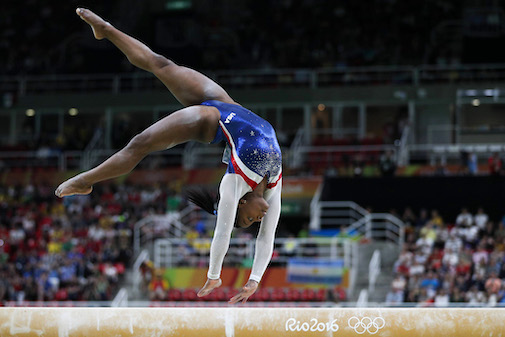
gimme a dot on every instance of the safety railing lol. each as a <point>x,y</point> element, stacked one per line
<point>362,299</point>
<point>351,258</point>
<point>97,142</point>
<point>121,299</point>
<point>259,78</point>
<point>41,159</point>
<point>296,157</point>
<point>374,270</point>
<point>402,156</point>
<point>211,157</point>
<point>334,214</point>
<point>136,270</point>
<point>379,226</point>
<point>147,230</point>
<point>197,155</point>
<point>435,154</point>
<point>171,252</point>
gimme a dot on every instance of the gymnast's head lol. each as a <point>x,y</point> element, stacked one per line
<point>251,207</point>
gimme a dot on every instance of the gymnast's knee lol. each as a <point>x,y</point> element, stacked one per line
<point>140,145</point>
<point>160,62</point>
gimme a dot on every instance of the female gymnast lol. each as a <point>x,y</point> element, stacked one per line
<point>250,191</point>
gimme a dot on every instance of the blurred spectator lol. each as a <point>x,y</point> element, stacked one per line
<point>495,164</point>
<point>481,218</point>
<point>493,284</point>
<point>394,296</point>
<point>387,164</point>
<point>158,287</point>
<point>475,297</point>
<point>473,163</point>
<point>431,283</point>
<point>464,218</point>
<point>436,220</point>
<point>442,298</point>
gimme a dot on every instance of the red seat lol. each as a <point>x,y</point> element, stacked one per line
<point>189,295</point>
<point>308,295</point>
<point>293,295</point>
<point>278,294</point>
<point>174,295</point>
<point>321,295</point>
<point>263,295</point>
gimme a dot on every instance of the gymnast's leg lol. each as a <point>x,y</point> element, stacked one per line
<point>187,85</point>
<point>198,123</point>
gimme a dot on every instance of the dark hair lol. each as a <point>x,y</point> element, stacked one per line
<point>207,200</point>
<point>203,198</point>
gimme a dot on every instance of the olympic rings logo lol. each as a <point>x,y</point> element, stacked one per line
<point>366,324</point>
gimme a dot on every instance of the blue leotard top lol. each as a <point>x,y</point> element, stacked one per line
<point>253,146</point>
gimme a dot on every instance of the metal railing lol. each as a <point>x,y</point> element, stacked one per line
<point>178,252</point>
<point>362,299</point>
<point>136,273</point>
<point>435,154</point>
<point>147,230</point>
<point>379,226</point>
<point>260,78</point>
<point>46,159</point>
<point>211,157</point>
<point>97,142</point>
<point>121,299</point>
<point>296,157</point>
<point>402,157</point>
<point>351,258</point>
<point>374,270</point>
<point>334,214</point>
<point>198,155</point>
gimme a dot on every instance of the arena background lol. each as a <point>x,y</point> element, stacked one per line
<point>391,119</point>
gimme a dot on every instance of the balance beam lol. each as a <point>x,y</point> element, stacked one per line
<point>244,322</point>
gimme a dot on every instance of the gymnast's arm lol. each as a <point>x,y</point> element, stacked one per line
<point>264,244</point>
<point>232,188</point>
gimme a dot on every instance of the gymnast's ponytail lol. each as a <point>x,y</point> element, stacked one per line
<point>203,198</point>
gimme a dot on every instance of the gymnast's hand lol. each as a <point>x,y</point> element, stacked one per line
<point>245,292</point>
<point>209,286</point>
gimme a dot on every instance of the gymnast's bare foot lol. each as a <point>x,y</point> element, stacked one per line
<point>98,24</point>
<point>209,286</point>
<point>72,186</point>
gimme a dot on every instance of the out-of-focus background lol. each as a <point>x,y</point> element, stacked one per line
<point>391,119</point>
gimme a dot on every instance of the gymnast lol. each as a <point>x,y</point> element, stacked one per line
<point>250,191</point>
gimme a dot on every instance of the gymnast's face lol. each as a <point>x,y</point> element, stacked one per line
<point>251,209</point>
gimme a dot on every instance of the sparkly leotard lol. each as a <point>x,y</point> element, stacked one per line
<point>254,154</point>
<point>253,146</point>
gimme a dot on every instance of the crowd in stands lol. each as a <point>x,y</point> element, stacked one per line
<point>460,261</point>
<point>71,249</point>
<point>77,249</point>
<point>46,37</point>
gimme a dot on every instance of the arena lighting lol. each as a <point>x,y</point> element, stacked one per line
<point>476,102</point>
<point>30,112</point>
<point>321,107</point>
<point>73,111</point>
